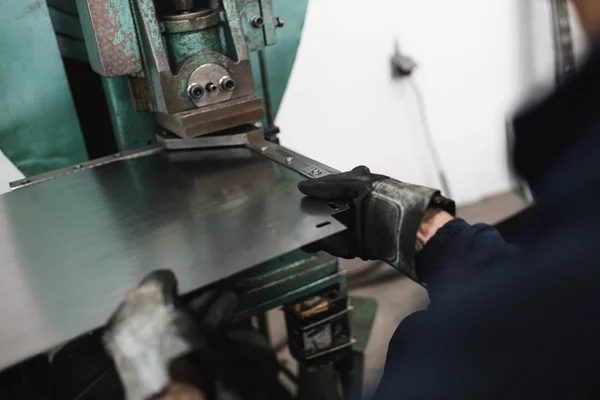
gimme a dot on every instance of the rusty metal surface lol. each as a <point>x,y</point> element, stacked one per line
<point>71,247</point>
<point>110,36</point>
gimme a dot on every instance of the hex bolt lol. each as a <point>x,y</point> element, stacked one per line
<point>316,172</point>
<point>258,21</point>
<point>195,91</point>
<point>211,87</point>
<point>279,22</point>
<point>227,83</point>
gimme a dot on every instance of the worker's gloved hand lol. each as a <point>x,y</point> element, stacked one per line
<point>162,347</point>
<point>384,219</point>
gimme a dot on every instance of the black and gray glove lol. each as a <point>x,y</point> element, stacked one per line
<point>384,219</point>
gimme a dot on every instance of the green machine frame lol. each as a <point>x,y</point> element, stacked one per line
<point>40,129</point>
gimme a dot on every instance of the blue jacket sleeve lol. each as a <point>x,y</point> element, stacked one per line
<point>440,353</point>
<point>460,251</point>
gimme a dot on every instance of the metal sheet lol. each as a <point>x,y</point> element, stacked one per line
<point>71,247</point>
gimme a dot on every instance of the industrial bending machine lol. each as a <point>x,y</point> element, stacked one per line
<point>198,185</point>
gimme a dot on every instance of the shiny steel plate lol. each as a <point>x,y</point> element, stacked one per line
<point>71,247</point>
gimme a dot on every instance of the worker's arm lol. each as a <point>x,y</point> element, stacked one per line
<point>410,227</point>
<point>491,324</point>
<point>476,321</point>
<point>449,251</point>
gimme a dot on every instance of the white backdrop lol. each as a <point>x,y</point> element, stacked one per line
<point>477,59</point>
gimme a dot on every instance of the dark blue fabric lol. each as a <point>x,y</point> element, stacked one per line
<point>508,322</point>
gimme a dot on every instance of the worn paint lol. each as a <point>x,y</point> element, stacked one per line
<point>126,35</point>
<point>253,37</point>
<point>152,50</point>
<point>152,28</point>
<point>183,45</point>
<point>235,35</point>
<point>110,36</point>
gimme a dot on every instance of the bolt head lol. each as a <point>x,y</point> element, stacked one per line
<point>195,91</point>
<point>227,83</point>
<point>211,87</point>
<point>279,22</point>
<point>258,21</point>
<point>316,172</point>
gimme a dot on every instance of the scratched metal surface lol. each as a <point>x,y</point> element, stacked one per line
<point>71,247</point>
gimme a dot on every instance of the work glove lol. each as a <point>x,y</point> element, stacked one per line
<point>168,349</point>
<point>383,219</point>
<point>160,345</point>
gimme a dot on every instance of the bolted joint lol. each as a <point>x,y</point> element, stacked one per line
<point>227,83</point>
<point>195,91</point>
<point>211,87</point>
<point>258,22</point>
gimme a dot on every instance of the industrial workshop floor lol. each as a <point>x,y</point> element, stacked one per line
<point>396,295</point>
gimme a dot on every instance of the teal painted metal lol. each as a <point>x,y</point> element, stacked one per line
<point>285,280</point>
<point>182,43</point>
<point>269,18</point>
<point>152,50</point>
<point>66,24</point>
<point>39,130</point>
<point>67,6</point>
<point>362,319</point>
<point>68,30</point>
<point>70,48</point>
<point>118,45</point>
<point>237,47</point>
<point>281,56</point>
<point>254,37</point>
<point>132,129</point>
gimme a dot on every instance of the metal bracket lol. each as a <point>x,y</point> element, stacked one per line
<point>292,160</point>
